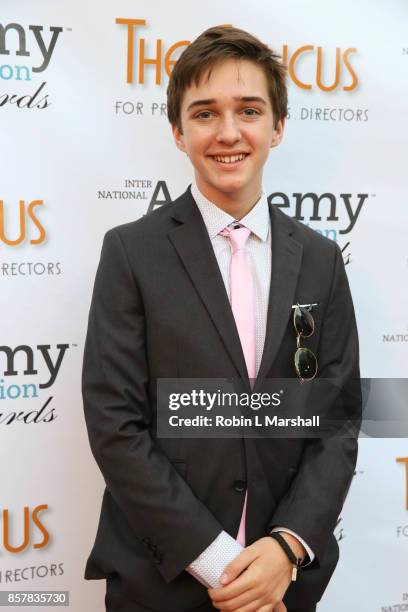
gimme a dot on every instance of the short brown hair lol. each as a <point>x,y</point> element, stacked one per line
<point>214,46</point>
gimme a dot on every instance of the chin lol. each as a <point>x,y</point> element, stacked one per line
<point>232,187</point>
<point>233,182</point>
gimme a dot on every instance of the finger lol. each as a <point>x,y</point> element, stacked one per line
<point>239,602</point>
<point>280,607</point>
<point>238,565</point>
<point>243,584</point>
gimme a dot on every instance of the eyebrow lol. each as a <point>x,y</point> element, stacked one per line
<point>209,101</point>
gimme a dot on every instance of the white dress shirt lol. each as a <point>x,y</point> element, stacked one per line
<point>209,566</point>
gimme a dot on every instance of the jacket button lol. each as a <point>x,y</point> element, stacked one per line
<point>240,485</point>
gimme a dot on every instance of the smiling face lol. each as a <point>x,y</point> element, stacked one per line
<point>227,131</point>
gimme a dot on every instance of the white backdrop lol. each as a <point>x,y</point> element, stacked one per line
<point>70,152</point>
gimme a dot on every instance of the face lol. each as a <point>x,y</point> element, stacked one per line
<point>227,132</point>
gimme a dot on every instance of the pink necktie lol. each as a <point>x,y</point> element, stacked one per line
<point>242,304</point>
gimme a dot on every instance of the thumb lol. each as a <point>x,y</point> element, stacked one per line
<point>238,565</point>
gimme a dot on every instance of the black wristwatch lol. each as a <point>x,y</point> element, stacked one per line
<point>296,561</point>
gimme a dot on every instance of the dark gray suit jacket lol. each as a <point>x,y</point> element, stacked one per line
<point>160,310</point>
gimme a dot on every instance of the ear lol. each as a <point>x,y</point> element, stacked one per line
<point>278,131</point>
<point>178,138</point>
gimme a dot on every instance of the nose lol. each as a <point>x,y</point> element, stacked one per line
<point>228,130</point>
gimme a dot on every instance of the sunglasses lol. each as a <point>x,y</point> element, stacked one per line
<point>305,359</point>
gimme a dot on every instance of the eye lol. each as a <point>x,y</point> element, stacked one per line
<point>203,115</point>
<point>251,112</point>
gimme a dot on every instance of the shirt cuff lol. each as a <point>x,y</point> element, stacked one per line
<point>209,566</point>
<point>306,547</point>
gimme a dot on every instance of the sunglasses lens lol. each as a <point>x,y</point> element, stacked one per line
<point>305,363</point>
<point>303,321</point>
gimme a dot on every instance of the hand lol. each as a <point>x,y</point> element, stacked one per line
<point>256,580</point>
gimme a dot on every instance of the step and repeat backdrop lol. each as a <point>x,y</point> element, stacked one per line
<point>85,145</point>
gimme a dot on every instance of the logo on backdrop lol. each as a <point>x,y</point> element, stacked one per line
<point>340,211</point>
<point>24,530</point>
<point>305,68</point>
<point>299,61</point>
<point>25,53</point>
<point>27,221</point>
<point>317,113</point>
<point>28,533</point>
<point>152,194</point>
<point>161,60</point>
<point>21,225</point>
<point>149,61</point>
<point>25,402</point>
<point>306,71</point>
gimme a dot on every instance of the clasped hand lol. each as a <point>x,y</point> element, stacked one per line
<point>256,580</point>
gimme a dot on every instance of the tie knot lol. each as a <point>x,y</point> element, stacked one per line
<point>237,235</point>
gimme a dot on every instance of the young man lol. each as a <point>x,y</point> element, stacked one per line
<point>205,288</point>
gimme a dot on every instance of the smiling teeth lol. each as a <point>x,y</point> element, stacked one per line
<point>230,159</point>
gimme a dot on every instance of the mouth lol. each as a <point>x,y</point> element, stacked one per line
<point>229,161</point>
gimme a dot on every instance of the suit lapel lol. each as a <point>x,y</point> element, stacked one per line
<point>192,243</point>
<point>286,261</point>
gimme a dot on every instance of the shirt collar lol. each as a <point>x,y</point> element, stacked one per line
<point>215,219</point>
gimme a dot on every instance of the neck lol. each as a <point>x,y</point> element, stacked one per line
<point>236,204</point>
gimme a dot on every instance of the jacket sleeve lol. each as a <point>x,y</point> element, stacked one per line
<point>159,505</point>
<point>316,496</point>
